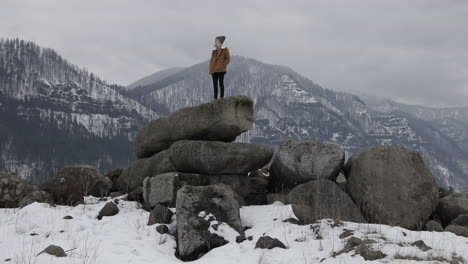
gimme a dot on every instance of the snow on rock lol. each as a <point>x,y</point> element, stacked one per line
<point>125,238</point>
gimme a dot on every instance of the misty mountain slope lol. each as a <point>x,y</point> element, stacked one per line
<point>288,105</point>
<point>53,113</point>
<point>154,77</point>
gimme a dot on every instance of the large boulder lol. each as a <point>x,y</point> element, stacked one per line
<point>197,207</point>
<point>133,176</point>
<point>301,161</point>
<point>213,157</point>
<point>73,182</point>
<point>451,206</point>
<point>162,189</point>
<point>220,120</point>
<point>12,190</point>
<point>391,185</point>
<point>323,199</point>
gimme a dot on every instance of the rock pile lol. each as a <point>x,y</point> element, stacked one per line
<point>187,160</point>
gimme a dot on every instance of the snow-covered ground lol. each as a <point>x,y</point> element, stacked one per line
<point>125,238</point>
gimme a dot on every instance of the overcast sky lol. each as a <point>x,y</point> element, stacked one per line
<point>414,51</point>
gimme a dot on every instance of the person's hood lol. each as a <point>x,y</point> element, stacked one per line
<point>222,46</point>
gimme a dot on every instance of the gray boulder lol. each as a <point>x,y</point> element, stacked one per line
<point>323,199</point>
<point>392,185</point>
<point>73,182</point>
<point>220,120</point>
<point>36,196</point>
<point>110,209</point>
<point>301,161</point>
<point>193,228</point>
<point>212,157</point>
<point>451,206</point>
<point>133,176</point>
<point>12,190</point>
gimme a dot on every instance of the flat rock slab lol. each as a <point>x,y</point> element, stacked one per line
<point>301,161</point>
<point>220,120</point>
<point>202,157</point>
<point>214,157</point>
<point>323,199</point>
<point>392,186</point>
<point>193,204</point>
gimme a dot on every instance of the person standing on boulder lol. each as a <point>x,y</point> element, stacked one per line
<point>220,58</point>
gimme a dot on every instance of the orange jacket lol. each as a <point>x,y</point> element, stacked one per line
<point>219,60</point>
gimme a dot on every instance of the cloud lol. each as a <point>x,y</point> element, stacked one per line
<point>412,51</point>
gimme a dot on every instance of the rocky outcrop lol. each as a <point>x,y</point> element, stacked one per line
<point>73,182</point>
<point>220,120</point>
<point>323,199</point>
<point>212,157</point>
<point>12,190</point>
<point>197,207</point>
<point>391,185</point>
<point>301,161</point>
<point>451,206</point>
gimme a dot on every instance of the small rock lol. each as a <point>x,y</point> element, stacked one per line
<point>54,251</point>
<point>240,239</point>
<point>160,215</point>
<point>421,245</point>
<point>433,225</point>
<point>353,242</point>
<point>109,209</point>
<point>291,220</point>
<point>162,229</point>
<point>269,243</point>
<point>68,217</point>
<point>346,233</point>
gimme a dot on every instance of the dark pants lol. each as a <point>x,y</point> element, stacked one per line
<point>218,76</point>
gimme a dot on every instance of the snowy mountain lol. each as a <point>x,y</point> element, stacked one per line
<point>288,105</point>
<point>154,77</point>
<point>53,113</point>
